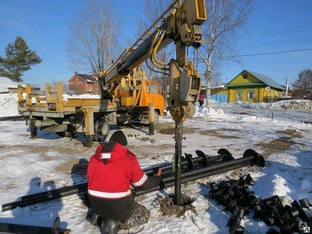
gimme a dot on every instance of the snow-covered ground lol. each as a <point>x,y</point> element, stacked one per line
<point>280,135</point>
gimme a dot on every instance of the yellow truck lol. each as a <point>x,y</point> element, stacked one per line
<point>67,115</point>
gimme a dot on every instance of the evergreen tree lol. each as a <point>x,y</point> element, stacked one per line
<point>303,85</point>
<point>19,58</point>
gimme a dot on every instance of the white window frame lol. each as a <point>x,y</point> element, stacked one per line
<point>239,95</point>
<point>253,95</point>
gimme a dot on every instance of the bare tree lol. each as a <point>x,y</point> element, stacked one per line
<point>93,37</point>
<point>303,84</point>
<point>224,20</point>
<point>54,83</point>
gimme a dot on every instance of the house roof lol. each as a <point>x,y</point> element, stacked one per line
<point>267,80</point>
<point>263,78</point>
<point>87,78</point>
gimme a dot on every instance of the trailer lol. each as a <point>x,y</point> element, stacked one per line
<point>67,115</point>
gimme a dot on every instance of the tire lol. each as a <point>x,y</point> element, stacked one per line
<point>145,121</point>
<point>101,130</point>
<point>156,118</point>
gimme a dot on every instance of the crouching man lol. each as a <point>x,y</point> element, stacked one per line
<point>112,170</point>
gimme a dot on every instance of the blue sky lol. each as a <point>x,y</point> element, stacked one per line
<point>276,26</point>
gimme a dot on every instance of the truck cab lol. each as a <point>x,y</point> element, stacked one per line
<point>138,95</point>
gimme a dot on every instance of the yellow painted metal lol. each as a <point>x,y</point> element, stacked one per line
<point>127,101</point>
<point>54,97</point>
<point>184,90</point>
<point>28,97</point>
<point>89,120</point>
<point>176,107</point>
<point>195,11</point>
<point>134,84</point>
<point>20,91</point>
<point>53,102</point>
<point>151,113</point>
<point>138,91</point>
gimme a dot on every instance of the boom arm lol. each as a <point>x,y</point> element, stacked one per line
<point>181,25</point>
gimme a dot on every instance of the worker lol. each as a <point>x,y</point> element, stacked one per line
<point>201,99</point>
<point>112,170</point>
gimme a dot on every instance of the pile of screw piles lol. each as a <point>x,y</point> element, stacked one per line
<point>235,196</point>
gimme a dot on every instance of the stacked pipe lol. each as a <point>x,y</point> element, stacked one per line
<point>238,199</point>
<point>192,168</point>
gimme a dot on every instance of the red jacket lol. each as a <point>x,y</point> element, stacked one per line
<point>111,173</point>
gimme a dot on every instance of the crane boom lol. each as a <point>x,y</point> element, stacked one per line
<point>179,23</point>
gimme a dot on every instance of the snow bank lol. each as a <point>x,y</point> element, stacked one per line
<point>8,101</point>
<point>6,83</point>
<point>204,111</point>
<point>8,104</point>
<point>285,104</point>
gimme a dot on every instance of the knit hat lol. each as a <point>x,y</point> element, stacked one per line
<point>119,137</point>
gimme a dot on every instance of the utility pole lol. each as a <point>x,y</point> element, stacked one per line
<point>287,87</point>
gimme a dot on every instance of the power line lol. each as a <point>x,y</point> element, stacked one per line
<point>277,52</point>
<point>281,31</point>
<point>280,42</point>
<point>299,38</point>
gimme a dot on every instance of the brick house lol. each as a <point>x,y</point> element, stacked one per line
<point>83,84</point>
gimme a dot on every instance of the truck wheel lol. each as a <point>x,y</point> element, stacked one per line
<point>89,141</point>
<point>101,129</point>
<point>156,117</point>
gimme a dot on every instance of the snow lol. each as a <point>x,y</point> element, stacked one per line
<point>8,104</point>
<point>279,134</point>
<point>286,104</point>
<point>6,83</point>
<point>86,96</point>
<point>8,100</point>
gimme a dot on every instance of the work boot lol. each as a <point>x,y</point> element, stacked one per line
<point>95,219</point>
<point>109,226</point>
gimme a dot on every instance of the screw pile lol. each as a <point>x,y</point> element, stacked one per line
<point>235,196</point>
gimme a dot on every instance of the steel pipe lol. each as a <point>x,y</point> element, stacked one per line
<point>45,196</point>
<point>250,158</point>
<point>30,229</point>
<point>207,166</point>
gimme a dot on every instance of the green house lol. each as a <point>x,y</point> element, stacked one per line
<point>250,86</point>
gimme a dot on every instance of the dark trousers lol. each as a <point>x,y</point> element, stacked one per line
<point>125,211</point>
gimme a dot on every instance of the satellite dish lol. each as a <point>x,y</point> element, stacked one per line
<point>268,88</point>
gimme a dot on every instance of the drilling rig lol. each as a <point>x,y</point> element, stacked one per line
<point>179,24</point>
